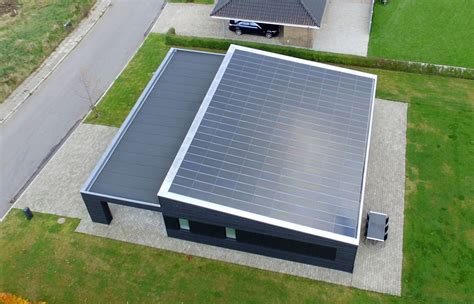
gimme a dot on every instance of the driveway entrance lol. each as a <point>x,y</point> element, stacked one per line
<point>345,27</point>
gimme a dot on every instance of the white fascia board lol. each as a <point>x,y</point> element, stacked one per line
<point>165,187</point>
<point>366,163</point>
<point>131,115</point>
<point>125,125</point>
<point>260,218</point>
<point>303,61</point>
<point>267,22</point>
<point>120,198</point>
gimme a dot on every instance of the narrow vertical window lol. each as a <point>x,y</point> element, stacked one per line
<point>230,233</point>
<point>183,224</point>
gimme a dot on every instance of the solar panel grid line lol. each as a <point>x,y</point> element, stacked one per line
<point>276,95</point>
<point>273,148</point>
<point>229,195</point>
<point>320,120</point>
<point>313,65</point>
<point>248,187</point>
<point>296,80</point>
<point>271,121</point>
<point>268,121</point>
<point>335,144</point>
<point>269,154</point>
<point>282,117</point>
<point>291,183</point>
<point>308,211</point>
<point>257,208</point>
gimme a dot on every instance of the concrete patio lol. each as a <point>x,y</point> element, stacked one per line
<point>345,27</point>
<point>378,267</point>
<point>190,19</point>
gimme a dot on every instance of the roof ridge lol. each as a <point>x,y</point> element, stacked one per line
<point>220,5</point>
<point>302,2</point>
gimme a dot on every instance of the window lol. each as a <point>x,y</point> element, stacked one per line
<point>315,250</point>
<point>183,224</point>
<point>230,233</point>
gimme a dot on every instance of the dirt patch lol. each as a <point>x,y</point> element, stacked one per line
<point>9,7</point>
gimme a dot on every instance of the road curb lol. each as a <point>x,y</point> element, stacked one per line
<point>76,42</point>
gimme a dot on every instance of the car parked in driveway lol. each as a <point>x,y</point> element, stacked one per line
<point>247,27</point>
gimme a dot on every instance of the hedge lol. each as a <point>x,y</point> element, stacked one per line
<point>367,62</point>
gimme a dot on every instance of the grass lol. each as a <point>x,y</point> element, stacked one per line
<point>439,227</point>
<point>116,104</point>
<point>49,261</point>
<point>193,1</point>
<point>29,37</point>
<point>440,31</point>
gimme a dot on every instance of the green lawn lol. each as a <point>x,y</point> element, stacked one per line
<point>433,31</point>
<point>439,220</point>
<point>48,261</point>
<point>29,37</point>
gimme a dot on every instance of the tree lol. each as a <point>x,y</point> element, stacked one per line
<point>89,92</point>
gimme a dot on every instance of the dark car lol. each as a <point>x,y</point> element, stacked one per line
<point>247,27</point>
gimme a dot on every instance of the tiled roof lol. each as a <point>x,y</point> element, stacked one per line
<point>290,12</point>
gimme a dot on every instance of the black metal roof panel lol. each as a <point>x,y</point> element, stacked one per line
<point>141,154</point>
<point>285,12</point>
<point>282,141</point>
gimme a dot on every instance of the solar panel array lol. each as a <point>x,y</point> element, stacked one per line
<point>282,139</point>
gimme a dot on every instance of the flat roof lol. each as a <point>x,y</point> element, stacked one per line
<point>300,13</point>
<point>282,141</point>
<point>138,159</point>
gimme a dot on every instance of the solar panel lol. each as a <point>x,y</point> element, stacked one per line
<point>282,139</point>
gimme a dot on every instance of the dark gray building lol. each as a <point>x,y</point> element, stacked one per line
<point>251,151</point>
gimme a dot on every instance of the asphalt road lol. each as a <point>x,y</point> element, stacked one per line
<point>34,132</point>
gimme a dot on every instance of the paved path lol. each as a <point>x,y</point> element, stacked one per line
<point>32,134</point>
<point>377,268</point>
<point>345,27</point>
<point>190,19</point>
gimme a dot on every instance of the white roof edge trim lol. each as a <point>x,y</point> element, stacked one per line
<point>261,218</point>
<point>268,22</point>
<point>131,115</point>
<point>121,199</point>
<point>304,61</point>
<point>125,125</point>
<point>366,163</point>
<point>166,185</point>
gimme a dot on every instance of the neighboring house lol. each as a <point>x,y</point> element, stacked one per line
<point>298,18</point>
<point>252,151</point>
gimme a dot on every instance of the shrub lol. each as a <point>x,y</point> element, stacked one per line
<point>171,31</point>
<point>367,62</point>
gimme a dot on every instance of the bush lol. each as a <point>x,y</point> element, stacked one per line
<point>171,31</point>
<point>367,62</point>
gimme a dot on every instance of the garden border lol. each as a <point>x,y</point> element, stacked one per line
<point>351,60</point>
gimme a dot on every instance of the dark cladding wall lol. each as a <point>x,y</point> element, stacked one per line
<point>256,237</point>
